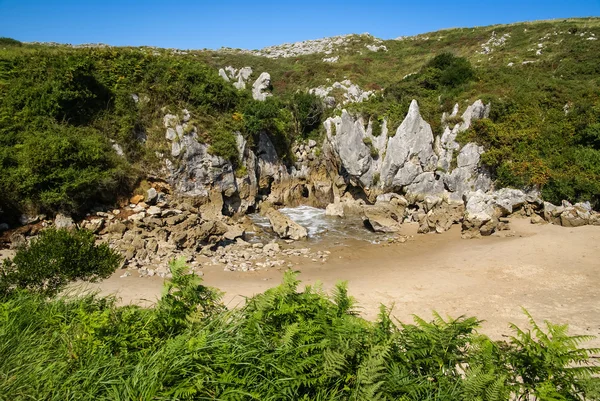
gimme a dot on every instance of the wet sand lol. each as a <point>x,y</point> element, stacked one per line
<point>552,271</point>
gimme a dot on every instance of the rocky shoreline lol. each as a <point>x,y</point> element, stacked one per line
<point>198,203</point>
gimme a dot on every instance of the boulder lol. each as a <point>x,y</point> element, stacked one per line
<point>575,216</point>
<point>115,228</point>
<point>63,222</point>
<point>335,209</point>
<point>260,86</point>
<point>234,232</point>
<point>284,226</point>
<point>154,211</point>
<point>136,199</point>
<point>552,213</point>
<point>381,218</point>
<point>271,247</point>
<point>151,196</point>
<point>441,217</point>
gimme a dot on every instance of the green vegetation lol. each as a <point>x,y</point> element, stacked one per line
<point>284,344</point>
<point>55,258</point>
<point>60,107</point>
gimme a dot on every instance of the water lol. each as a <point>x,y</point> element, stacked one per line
<point>320,226</point>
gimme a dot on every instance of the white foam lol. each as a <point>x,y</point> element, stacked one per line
<point>320,225</point>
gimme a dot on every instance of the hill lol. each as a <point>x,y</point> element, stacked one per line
<point>67,113</point>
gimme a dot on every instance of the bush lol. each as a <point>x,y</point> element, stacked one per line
<point>61,168</point>
<point>56,258</point>
<point>9,42</point>
<point>307,111</point>
<point>446,70</point>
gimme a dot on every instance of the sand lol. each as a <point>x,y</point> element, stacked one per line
<point>552,271</point>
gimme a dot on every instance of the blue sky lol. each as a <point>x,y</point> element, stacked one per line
<point>255,24</point>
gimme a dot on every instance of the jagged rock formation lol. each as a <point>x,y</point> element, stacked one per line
<point>238,77</point>
<point>411,161</point>
<point>350,92</point>
<point>261,86</point>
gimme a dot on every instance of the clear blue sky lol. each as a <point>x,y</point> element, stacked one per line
<point>252,24</point>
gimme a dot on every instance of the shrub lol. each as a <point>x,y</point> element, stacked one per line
<point>307,111</point>
<point>61,168</point>
<point>224,144</point>
<point>9,42</point>
<point>55,258</point>
<point>447,70</point>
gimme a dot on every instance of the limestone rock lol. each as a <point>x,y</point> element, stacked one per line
<point>260,87</point>
<point>409,152</point>
<point>575,216</point>
<point>63,222</point>
<point>335,209</point>
<point>284,226</point>
<point>151,196</point>
<point>381,219</point>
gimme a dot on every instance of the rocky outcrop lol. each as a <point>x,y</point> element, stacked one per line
<point>484,210</point>
<point>261,86</point>
<point>350,93</point>
<point>412,161</point>
<point>238,77</point>
<point>568,215</point>
<point>409,152</point>
<point>63,222</point>
<point>285,227</point>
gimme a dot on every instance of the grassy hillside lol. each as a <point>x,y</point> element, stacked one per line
<point>62,108</point>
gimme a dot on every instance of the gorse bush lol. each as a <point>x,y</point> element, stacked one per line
<point>284,344</point>
<point>55,258</point>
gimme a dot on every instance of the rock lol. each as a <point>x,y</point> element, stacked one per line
<point>137,216</point>
<point>409,152</point>
<point>284,226</point>
<point>552,213</point>
<point>116,228</point>
<point>17,241</point>
<point>535,219</point>
<point>154,211</point>
<point>335,209</point>
<point>234,232</point>
<point>381,219</point>
<point>260,86</point>
<point>136,199</point>
<point>151,196</point>
<point>441,217</point>
<point>63,222</point>
<point>94,225</point>
<point>25,219</point>
<point>479,211</point>
<point>271,247</point>
<point>575,216</point>
<point>179,238</point>
<point>3,227</point>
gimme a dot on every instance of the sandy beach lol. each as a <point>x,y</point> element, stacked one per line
<point>552,271</point>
